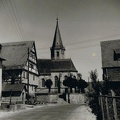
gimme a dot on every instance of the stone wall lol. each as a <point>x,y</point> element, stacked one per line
<point>44,98</point>
<point>77,98</point>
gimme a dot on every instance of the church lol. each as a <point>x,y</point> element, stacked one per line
<point>57,67</point>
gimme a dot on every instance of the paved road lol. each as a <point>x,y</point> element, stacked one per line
<point>59,112</point>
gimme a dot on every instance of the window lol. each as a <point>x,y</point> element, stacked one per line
<point>43,82</point>
<point>33,77</point>
<point>31,66</point>
<point>117,54</point>
<point>62,52</point>
<point>23,74</point>
<point>32,88</point>
<point>56,81</point>
<point>57,54</point>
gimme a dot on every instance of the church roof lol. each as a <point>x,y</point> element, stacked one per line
<point>15,53</point>
<point>46,66</point>
<point>57,41</point>
<point>63,65</point>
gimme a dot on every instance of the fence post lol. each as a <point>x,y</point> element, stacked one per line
<point>101,103</point>
<point>114,105</point>
<point>107,107</point>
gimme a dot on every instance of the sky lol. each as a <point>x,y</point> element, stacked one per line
<point>83,25</point>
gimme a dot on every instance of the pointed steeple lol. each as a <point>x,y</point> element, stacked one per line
<point>57,41</point>
<point>57,45</point>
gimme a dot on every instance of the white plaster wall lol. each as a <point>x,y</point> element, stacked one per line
<point>52,77</point>
<point>62,75</point>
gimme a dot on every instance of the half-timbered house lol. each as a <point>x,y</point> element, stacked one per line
<point>20,66</point>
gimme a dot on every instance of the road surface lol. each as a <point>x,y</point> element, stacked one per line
<point>58,112</point>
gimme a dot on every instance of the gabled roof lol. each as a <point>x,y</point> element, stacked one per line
<point>15,53</point>
<point>12,89</point>
<point>108,50</point>
<point>63,65</point>
<point>57,41</point>
<point>46,66</point>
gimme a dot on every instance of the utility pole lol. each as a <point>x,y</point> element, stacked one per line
<point>28,77</point>
<point>59,82</point>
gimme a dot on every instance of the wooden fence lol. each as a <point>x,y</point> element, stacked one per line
<point>110,106</point>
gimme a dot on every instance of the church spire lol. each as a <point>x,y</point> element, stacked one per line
<point>57,49</point>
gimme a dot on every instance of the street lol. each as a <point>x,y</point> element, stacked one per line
<point>57,112</point>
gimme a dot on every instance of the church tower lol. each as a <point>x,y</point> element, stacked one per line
<point>57,49</point>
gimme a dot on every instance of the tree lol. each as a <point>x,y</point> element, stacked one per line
<point>81,84</point>
<point>94,103</point>
<point>70,82</point>
<point>93,75</point>
<point>48,84</point>
<point>95,82</point>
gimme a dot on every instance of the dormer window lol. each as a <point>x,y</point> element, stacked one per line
<point>117,54</point>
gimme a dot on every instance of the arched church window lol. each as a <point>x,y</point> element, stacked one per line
<point>56,81</point>
<point>65,77</point>
<point>43,82</point>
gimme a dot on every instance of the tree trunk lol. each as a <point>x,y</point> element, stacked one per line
<point>49,90</point>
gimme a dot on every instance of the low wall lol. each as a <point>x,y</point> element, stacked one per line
<point>76,98</point>
<point>47,98</point>
<point>54,98</point>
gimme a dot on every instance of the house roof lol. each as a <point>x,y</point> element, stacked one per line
<point>108,48</point>
<point>46,66</point>
<point>12,89</point>
<point>57,41</point>
<point>15,53</point>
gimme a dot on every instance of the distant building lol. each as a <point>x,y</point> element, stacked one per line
<point>20,67</point>
<point>110,51</point>
<point>58,66</point>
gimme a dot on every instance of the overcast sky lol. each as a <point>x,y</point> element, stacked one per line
<point>83,24</point>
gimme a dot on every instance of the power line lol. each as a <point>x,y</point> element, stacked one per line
<point>85,41</point>
<point>22,31</point>
<point>16,18</point>
<point>94,39</point>
<point>78,48</point>
<point>8,12</point>
<point>13,17</point>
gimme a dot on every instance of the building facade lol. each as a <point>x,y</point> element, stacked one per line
<point>110,51</point>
